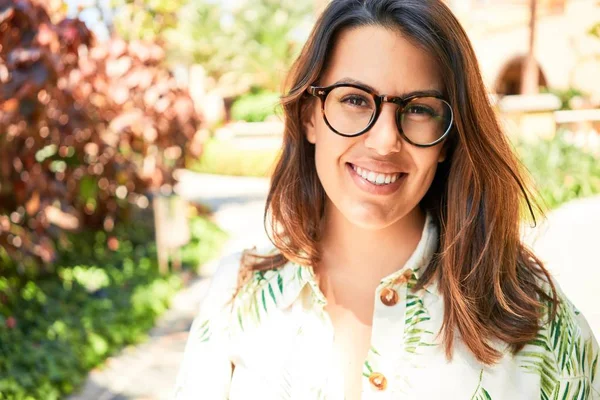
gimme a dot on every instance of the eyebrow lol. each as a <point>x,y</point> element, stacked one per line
<point>423,93</point>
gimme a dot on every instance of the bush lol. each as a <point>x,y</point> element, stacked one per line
<point>86,130</point>
<point>565,95</point>
<point>560,170</point>
<point>255,107</point>
<point>53,330</point>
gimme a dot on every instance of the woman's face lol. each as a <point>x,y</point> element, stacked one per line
<point>384,60</point>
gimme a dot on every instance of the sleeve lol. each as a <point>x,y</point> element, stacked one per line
<point>590,354</point>
<point>206,369</point>
<point>576,352</point>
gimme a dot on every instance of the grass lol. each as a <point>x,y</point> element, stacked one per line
<point>224,157</point>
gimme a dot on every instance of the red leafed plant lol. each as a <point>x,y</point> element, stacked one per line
<point>86,130</point>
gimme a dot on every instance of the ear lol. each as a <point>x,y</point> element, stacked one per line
<point>309,122</point>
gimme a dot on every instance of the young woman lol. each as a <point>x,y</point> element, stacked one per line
<point>397,270</point>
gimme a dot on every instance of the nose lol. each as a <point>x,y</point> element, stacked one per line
<point>383,137</point>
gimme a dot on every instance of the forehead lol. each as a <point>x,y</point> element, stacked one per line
<point>383,59</point>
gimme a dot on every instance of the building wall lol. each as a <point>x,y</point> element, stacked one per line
<point>567,55</point>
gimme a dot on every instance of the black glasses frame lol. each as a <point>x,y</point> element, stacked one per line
<point>322,91</point>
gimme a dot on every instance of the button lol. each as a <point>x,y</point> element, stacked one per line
<point>389,296</point>
<point>403,278</point>
<point>378,381</point>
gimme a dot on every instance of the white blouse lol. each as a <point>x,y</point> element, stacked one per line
<point>280,339</point>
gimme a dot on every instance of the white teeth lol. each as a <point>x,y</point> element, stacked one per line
<point>376,178</point>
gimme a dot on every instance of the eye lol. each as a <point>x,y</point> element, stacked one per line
<point>356,100</point>
<point>419,109</point>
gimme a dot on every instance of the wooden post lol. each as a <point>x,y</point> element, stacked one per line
<point>172,230</point>
<point>530,72</point>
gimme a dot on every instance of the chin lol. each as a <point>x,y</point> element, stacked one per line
<point>372,220</point>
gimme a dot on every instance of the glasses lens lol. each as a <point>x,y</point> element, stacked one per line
<point>425,119</point>
<point>349,110</point>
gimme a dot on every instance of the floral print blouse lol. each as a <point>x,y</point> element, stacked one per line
<point>280,339</point>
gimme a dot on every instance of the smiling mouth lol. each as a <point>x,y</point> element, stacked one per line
<point>377,178</point>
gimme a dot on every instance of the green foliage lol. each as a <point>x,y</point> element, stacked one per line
<point>223,157</point>
<point>86,130</point>
<point>255,107</point>
<point>53,330</point>
<point>206,240</point>
<point>145,20</point>
<point>561,171</point>
<point>565,95</point>
<point>249,44</point>
<point>595,30</point>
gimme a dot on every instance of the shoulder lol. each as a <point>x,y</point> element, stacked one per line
<point>264,293</point>
<point>237,276</point>
<point>231,268</point>
<point>568,319</point>
<point>233,280</point>
<point>565,347</point>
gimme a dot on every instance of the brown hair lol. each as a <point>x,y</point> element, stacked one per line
<point>493,286</point>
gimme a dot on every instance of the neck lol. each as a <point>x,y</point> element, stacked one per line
<point>362,257</point>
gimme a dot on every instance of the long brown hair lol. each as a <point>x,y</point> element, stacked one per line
<point>493,286</point>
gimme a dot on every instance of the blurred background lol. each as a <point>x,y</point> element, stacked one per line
<point>136,142</point>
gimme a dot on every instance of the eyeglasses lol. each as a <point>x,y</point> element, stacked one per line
<point>351,110</point>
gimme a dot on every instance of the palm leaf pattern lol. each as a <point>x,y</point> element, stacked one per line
<point>261,293</point>
<point>367,369</point>
<point>561,356</point>
<point>415,334</point>
<point>202,331</point>
<point>480,392</point>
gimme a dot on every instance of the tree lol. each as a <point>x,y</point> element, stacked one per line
<point>85,129</point>
<point>249,45</point>
<point>145,19</point>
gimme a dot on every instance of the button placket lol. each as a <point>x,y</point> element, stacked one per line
<point>388,320</point>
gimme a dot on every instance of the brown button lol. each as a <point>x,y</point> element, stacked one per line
<point>403,278</point>
<point>389,296</point>
<point>378,381</point>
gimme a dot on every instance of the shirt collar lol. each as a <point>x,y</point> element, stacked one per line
<point>296,276</point>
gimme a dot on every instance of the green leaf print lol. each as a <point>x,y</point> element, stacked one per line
<point>203,331</point>
<point>280,283</point>
<point>480,392</point>
<point>253,300</point>
<point>415,335</point>
<point>561,356</point>
<point>272,293</point>
<point>264,301</point>
<point>367,370</point>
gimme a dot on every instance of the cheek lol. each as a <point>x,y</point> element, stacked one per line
<point>426,162</point>
<point>329,147</point>
<point>329,158</point>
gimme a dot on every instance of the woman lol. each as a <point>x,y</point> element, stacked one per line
<point>398,270</point>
